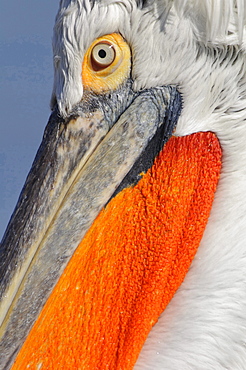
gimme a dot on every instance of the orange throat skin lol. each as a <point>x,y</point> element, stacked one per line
<point>129,265</point>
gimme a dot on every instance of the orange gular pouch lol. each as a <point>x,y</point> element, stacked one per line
<point>129,265</point>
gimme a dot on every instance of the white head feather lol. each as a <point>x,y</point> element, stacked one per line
<point>159,32</point>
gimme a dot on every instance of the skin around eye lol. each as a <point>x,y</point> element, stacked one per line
<point>106,64</point>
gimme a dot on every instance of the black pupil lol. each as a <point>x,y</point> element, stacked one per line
<point>102,53</point>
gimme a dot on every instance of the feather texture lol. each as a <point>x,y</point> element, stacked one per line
<point>215,21</point>
<point>144,25</point>
<point>198,46</point>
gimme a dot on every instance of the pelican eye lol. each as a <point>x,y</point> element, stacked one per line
<point>106,64</point>
<point>102,56</point>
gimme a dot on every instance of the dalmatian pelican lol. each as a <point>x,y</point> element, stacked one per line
<point>127,247</point>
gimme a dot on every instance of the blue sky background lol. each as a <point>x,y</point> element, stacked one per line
<point>26,78</point>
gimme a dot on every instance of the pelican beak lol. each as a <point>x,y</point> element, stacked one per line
<point>103,146</point>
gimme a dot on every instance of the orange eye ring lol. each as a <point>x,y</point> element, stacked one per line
<point>107,64</point>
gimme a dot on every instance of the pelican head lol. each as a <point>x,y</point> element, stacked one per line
<point>127,245</point>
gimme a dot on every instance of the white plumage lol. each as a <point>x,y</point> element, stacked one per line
<point>200,47</point>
